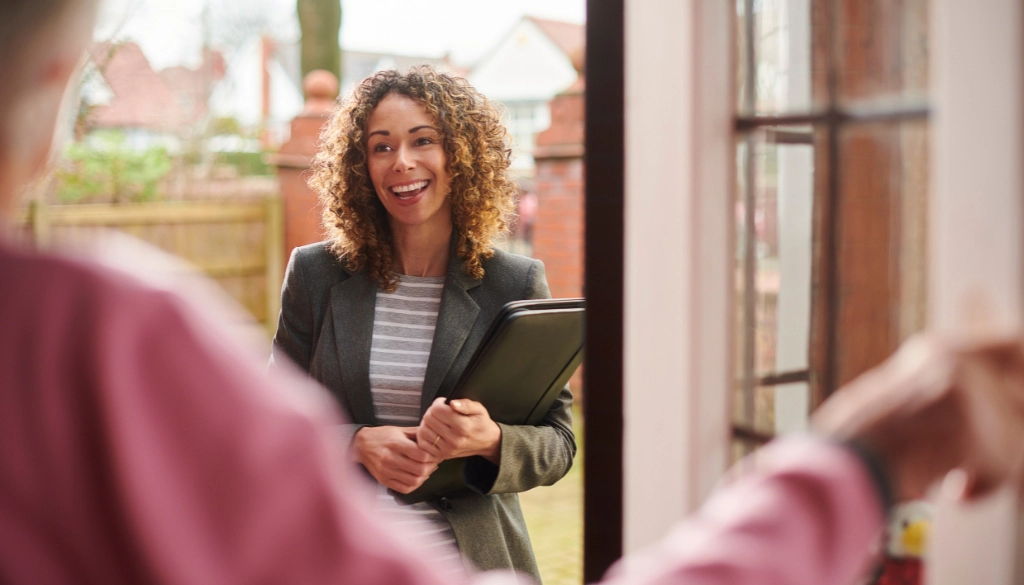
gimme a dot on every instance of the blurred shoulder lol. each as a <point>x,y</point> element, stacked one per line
<point>521,276</point>
<point>34,278</point>
<point>61,302</point>
<point>316,256</point>
<point>508,262</point>
<point>317,263</point>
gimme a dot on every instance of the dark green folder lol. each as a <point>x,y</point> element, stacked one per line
<point>526,357</point>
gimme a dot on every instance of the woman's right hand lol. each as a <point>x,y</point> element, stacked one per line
<point>392,457</point>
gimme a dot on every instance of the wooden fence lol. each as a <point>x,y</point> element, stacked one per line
<point>240,244</point>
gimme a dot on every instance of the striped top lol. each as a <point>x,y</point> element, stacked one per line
<point>403,332</point>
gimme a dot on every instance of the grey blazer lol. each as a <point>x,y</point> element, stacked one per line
<point>326,327</point>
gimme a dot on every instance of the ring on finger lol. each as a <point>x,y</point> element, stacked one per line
<point>436,440</point>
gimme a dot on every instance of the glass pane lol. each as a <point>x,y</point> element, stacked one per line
<point>777,40</point>
<point>883,50</point>
<point>762,425</point>
<point>881,255</point>
<point>738,451</point>
<point>741,459</point>
<point>792,405</point>
<point>773,299</point>
<point>743,93</point>
<point>783,221</point>
<point>742,407</point>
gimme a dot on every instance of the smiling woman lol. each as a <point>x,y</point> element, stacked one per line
<point>386,313</point>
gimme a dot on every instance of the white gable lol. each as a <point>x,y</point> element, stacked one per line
<point>240,93</point>
<point>526,66</point>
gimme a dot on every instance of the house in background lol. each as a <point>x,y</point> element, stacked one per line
<point>259,86</point>
<point>355,65</point>
<point>358,65</point>
<point>121,91</point>
<point>173,107</point>
<point>534,62</point>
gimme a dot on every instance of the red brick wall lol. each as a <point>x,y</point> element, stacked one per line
<point>558,227</point>
<point>301,206</point>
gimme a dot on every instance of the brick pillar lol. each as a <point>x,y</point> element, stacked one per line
<point>301,208</point>
<point>558,228</point>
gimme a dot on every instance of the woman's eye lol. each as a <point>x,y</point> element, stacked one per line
<point>423,141</point>
<point>381,147</point>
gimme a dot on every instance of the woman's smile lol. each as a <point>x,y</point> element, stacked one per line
<point>407,193</point>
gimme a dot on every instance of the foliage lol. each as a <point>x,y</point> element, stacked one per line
<point>247,163</point>
<point>106,168</point>
<point>320,21</point>
<point>225,125</point>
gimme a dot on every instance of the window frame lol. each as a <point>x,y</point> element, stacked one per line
<point>831,119</point>
<point>963,36</point>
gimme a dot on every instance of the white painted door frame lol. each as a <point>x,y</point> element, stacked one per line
<point>976,264</point>
<point>678,259</point>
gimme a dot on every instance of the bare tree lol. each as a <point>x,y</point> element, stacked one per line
<point>320,21</point>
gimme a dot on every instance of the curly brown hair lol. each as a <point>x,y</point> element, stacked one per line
<point>476,145</point>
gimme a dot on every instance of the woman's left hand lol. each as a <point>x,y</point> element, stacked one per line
<point>460,428</point>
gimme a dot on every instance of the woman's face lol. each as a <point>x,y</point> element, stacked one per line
<point>406,161</point>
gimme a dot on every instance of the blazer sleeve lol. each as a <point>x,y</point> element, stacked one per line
<point>531,456</point>
<point>295,329</point>
<point>294,337</point>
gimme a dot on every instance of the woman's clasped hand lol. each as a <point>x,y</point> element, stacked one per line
<point>402,458</point>
<point>393,458</point>
<point>460,428</point>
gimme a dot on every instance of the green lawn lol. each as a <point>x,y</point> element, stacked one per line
<point>554,516</point>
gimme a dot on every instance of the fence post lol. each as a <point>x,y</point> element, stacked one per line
<point>274,241</point>
<point>39,219</point>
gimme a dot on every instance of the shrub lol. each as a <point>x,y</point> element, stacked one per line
<point>105,168</point>
<point>247,163</point>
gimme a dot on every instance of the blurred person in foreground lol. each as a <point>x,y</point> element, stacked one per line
<point>138,445</point>
<point>412,172</point>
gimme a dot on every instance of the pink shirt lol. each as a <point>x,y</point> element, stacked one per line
<point>806,516</point>
<point>137,445</point>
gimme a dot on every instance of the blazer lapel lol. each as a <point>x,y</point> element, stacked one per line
<point>353,303</point>
<point>455,320</point>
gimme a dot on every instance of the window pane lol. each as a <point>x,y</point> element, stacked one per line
<point>740,449</point>
<point>524,121</point>
<point>880,48</point>
<point>773,300</point>
<point>746,291</point>
<point>881,251</point>
<point>778,41</point>
<point>786,194</point>
<point>762,405</point>
<point>792,404</point>
<point>883,50</point>
<point>742,55</point>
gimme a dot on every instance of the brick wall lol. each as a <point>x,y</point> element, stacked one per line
<point>301,206</point>
<point>558,227</point>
